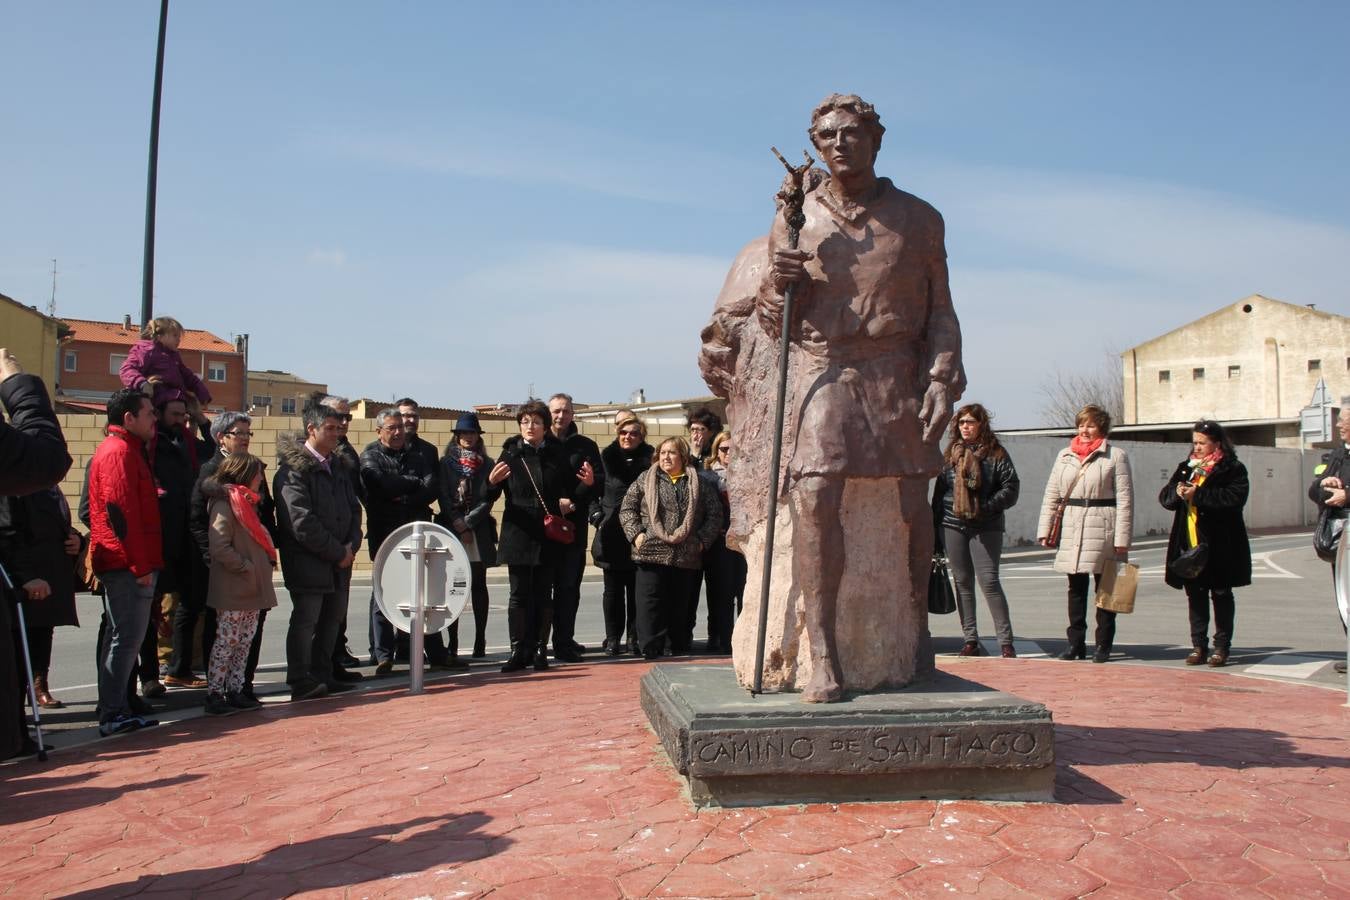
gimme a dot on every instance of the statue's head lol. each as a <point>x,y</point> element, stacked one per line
<point>827,114</point>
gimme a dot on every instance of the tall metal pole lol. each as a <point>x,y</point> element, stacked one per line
<point>795,219</point>
<point>148,271</point>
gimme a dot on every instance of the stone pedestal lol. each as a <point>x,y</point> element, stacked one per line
<point>881,620</point>
<point>946,738</point>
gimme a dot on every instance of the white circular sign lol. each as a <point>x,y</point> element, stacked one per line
<point>445,576</point>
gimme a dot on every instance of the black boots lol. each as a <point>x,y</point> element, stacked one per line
<point>1074,651</point>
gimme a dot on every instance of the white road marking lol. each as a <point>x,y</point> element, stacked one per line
<point>1287,665</point>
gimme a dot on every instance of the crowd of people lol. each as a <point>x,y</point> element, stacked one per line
<point>185,532</point>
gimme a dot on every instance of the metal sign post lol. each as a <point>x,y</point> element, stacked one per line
<point>421,579</point>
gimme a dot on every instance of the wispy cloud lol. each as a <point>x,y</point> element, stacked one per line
<point>320,257</point>
<point>546,152</point>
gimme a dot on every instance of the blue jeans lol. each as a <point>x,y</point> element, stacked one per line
<point>127,605</point>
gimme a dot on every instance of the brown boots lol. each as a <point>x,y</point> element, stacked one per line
<point>44,696</point>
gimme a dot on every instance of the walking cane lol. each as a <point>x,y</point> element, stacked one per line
<point>795,218</point>
<point>27,665</point>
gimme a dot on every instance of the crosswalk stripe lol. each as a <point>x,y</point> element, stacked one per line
<point>1287,665</point>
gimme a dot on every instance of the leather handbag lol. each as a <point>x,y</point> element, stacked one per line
<point>556,528</point>
<point>1327,534</point>
<point>941,594</point>
<point>1190,564</point>
<point>1120,582</point>
<point>1057,520</point>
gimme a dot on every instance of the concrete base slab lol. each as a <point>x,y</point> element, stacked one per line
<point>947,738</point>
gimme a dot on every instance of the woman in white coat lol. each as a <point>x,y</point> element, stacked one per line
<point>1092,480</point>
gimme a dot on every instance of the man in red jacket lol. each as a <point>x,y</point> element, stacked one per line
<point>127,551</point>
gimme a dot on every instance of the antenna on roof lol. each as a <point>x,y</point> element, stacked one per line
<point>51,304</point>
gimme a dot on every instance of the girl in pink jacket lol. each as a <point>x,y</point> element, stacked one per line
<point>154,361</point>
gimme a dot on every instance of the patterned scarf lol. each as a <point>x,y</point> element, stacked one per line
<point>966,481</point>
<point>1204,464</point>
<point>651,506</point>
<point>243,503</point>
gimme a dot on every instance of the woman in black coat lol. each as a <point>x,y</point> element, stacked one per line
<point>466,509</point>
<point>533,471</point>
<point>627,457</point>
<point>39,548</point>
<point>1206,494</point>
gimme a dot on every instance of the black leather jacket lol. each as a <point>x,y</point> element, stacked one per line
<point>999,487</point>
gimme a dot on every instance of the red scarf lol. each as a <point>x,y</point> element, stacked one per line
<point>1205,464</point>
<point>1082,448</point>
<point>243,503</point>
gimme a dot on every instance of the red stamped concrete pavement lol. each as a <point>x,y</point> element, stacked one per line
<point>1172,783</point>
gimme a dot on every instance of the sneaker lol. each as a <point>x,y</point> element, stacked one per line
<point>384,667</point>
<point>153,688</point>
<point>217,705</point>
<point>240,700</point>
<point>191,681</point>
<point>120,725</point>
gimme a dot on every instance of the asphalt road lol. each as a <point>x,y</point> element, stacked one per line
<point>1286,627</point>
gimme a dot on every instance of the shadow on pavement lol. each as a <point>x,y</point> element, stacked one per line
<point>1227,748</point>
<point>331,861</point>
<point>28,797</point>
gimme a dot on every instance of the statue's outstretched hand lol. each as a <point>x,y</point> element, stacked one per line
<point>936,411</point>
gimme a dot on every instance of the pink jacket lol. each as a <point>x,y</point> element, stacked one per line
<point>149,358</point>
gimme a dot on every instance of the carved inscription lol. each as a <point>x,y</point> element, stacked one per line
<point>863,750</point>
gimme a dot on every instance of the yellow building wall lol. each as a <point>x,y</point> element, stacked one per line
<point>31,337</point>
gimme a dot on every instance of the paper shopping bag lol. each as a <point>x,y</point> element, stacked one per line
<point>1120,580</point>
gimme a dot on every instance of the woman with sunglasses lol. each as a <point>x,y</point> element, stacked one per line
<point>625,459</point>
<point>977,483</point>
<point>1206,495</point>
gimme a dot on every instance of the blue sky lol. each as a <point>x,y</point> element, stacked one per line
<point>459,201</point>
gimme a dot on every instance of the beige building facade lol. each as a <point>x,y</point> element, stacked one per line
<point>273,392</point>
<point>1256,359</point>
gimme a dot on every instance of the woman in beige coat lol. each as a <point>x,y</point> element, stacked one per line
<point>1092,478</point>
<point>242,562</point>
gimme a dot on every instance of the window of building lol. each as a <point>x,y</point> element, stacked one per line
<point>1164,376</point>
<point>1314,365</point>
<point>288,406</point>
<point>71,357</point>
<point>1198,374</point>
<point>115,361</point>
<point>1235,371</point>
<point>215,371</point>
<point>260,400</point>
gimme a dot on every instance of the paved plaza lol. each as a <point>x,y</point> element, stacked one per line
<point>1170,783</point>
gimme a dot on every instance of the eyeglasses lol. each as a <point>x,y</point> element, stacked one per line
<point>344,418</point>
<point>240,434</point>
<point>632,432</point>
<point>967,421</point>
<point>724,449</point>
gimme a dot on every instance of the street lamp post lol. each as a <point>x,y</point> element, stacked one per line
<point>148,273</point>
